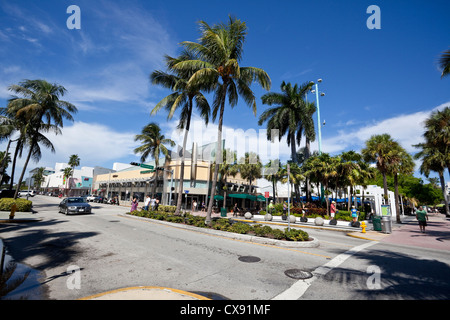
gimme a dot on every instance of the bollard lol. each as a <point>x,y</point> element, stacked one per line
<point>363,226</point>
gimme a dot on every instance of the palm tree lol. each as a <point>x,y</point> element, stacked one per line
<point>38,177</point>
<point>323,169</point>
<point>291,115</point>
<point>74,161</point>
<point>153,144</point>
<point>183,97</point>
<point>250,168</point>
<point>401,163</point>
<point>67,173</point>
<point>444,63</point>
<point>39,109</point>
<point>227,168</point>
<point>379,150</point>
<point>272,174</point>
<point>433,161</point>
<point>219,53</point>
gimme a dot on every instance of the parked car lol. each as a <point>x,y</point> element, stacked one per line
<point>74,205</point>
<point>90,198</point>
<point>7,193</point>
<point>25,193</point>
<point>99,199</point>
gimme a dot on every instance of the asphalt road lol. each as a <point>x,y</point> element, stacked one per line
<point>109,251</point>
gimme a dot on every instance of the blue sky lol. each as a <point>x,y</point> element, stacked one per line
<point>375,81</point>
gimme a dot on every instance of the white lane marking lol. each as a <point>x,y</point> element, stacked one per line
<point>297,290</point>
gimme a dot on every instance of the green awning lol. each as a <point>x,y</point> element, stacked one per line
<point>217,197</point>
<point>242,196</point>
<point>261,198</point>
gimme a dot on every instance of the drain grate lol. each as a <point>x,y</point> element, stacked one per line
<point>298,274</point>
<point>249,259</point>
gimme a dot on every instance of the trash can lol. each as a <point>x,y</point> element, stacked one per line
<point>376,220</point>
<point>223,212</point>
<point>386,224</point>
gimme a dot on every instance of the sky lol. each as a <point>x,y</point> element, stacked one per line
<point>375,80</point>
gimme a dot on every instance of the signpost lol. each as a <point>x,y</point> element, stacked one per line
<point>147,171</point>
<point>146,166</point>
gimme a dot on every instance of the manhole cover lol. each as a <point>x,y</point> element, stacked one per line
<point>249,259</point>
<point>298,274</point>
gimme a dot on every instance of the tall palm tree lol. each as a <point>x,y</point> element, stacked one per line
<point>401,163</point>
<point>153,144</point>
<point>272,174</point>
<point>183,98</point>
<point>74,161</point>
<point>250,168</point>
<point>433,161</point>
<point>379,150</point>
<point>435,151</point>
<point>444,63</point>
<point>291,115</point>
<point>322,169</point>
<point>39,109</point>
<point>219,53</point>
<point>228,168</point>
<point>67,173</point>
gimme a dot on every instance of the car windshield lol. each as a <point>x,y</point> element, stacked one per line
<point>75,200</point>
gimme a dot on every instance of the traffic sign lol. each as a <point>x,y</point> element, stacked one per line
<point>266,194</point>
<point>146,166</point>
<point>147,171</point>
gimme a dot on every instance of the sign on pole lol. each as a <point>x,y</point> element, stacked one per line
<point>147,166</point>
<point>266,194</point>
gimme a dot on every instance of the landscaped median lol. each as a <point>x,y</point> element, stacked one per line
<point>225,227</point>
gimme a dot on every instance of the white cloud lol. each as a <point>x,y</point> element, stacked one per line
<point>407,129</point>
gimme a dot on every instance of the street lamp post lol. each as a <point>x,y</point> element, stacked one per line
<point>319,126</point>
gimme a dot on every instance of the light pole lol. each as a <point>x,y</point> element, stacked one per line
<point>319,124</point>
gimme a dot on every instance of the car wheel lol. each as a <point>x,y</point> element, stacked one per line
<point>67,212</point>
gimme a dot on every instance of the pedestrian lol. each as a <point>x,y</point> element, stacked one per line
<point>153,203</point>
<point>235,210</point>
<point>147,203</point>
<point>333,209</point>
<point>422,217</point>
<point>271,207</point>
<point>203,206</point>
<point>194,206</point>
<point>354,214</point>
<point>156,204</point>
<point>134,204</point>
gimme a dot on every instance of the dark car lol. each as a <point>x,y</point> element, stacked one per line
<point>7,193</point>
<point>74,205</point>
<point>99,199</point>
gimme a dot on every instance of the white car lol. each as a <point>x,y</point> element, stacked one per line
<point>25,193</point>
<point>90,198</point>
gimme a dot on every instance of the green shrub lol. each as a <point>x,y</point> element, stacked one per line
<point>296,235</point>
<point>23,205</point>
<point>221,224</point>
<point>276,234</point>
<point>240,227</point>
<point>168,209</point>
<point>175,219</point>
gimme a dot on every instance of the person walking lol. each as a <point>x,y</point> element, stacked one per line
<point>333,209</point>
<point>422,217</point>
<point>147,203</point>
<point>235,210</point>
<point>134,204</point>
<point>354,215</point>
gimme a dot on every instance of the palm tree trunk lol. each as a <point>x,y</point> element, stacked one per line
<point>218,153</point>
<point>397,206</point>
<point>180,185</point>
<point>441,178</point>
<point>11,216</point>
<point>13,168</point>
<point>293,151</point>
<point>386,196</point>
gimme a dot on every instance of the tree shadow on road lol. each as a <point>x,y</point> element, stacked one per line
<point>400,276</point>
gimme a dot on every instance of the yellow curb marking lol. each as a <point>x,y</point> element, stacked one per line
<point>186,293</point>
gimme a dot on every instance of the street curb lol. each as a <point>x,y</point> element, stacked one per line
<point>236,236</point>
<point>112,294</point>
